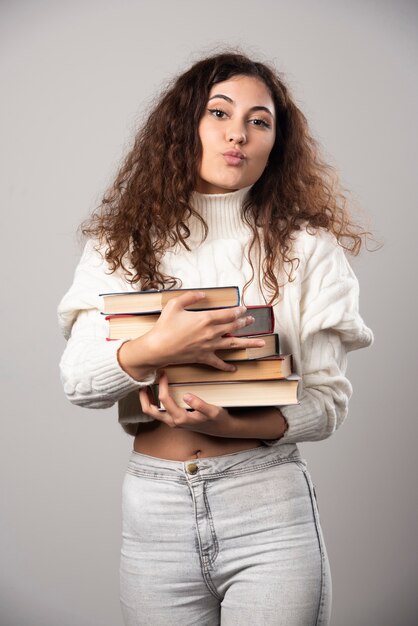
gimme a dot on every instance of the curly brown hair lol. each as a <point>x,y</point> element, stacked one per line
<point>147,208</point>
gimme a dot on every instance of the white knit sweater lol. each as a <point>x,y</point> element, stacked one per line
<point>317,316</point>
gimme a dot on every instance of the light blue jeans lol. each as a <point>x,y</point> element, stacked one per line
<point>232,540</point>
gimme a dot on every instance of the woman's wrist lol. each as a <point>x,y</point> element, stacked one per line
<point>128,359</point>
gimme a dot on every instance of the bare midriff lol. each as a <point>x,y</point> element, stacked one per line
<point>176,444</point>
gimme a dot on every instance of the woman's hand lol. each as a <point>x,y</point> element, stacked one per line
<point>253,423</point>
<point>205,418</point>
<point>182,336</point>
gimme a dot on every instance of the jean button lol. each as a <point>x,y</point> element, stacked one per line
<point>192,468</point>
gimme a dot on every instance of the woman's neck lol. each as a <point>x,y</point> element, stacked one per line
<point>222,212</point>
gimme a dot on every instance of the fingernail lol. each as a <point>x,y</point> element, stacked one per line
<point>250,319</point>
<point>187,397</point>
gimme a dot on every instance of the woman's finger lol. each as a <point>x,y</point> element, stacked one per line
<point>207,410</point>
<point>238,324</point>
<point>178,414</point>
<point>228,343</point>
<point>181,417</point>
<point>215,361</point>
<point>144,399</point>
<point>151,409</point>
<point>226,316</point>
<point>186,299</point>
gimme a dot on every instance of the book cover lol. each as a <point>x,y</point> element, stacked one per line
<point>263,321</point>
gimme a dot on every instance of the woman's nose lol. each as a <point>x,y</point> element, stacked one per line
<point>236,135</point>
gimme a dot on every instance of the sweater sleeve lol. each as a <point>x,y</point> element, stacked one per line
<point>330,326</point>
<point>89,367</point>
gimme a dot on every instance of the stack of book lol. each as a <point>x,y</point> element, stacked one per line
<point>263,376</point>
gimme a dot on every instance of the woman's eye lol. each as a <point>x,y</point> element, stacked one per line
<point>260,122</point>
<point>217,113</point>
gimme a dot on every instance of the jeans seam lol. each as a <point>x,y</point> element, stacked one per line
<point>153,476</point>
<point>249,470</point>
<point>203,556</point>
<point>320,543</point>
<point>211,559</point>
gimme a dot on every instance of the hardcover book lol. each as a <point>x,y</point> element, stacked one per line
<point>239,394</point>
<point>154,301</point>
<point>130,326</point>
<point>276,367</point>
<point>236,394</point>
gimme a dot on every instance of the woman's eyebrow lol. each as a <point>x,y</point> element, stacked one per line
<point>254,108</point>
<point>221,95</point>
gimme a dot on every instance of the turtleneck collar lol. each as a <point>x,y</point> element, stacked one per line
<point>221,212</point>
<point>231,200</point>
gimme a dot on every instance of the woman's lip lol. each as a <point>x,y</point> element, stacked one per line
<point>233,158</point>
<point>234,153</point>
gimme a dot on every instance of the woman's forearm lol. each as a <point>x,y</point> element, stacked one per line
<point>249,423</point>
<point>260,423</point>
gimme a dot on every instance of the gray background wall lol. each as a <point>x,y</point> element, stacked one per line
<point>76,77</point>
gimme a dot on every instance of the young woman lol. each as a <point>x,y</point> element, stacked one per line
<point>224,186</point>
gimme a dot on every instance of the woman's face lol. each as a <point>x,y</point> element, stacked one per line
<point>237,132</point>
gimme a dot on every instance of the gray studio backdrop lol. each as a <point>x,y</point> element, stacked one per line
<point>76,78</point>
